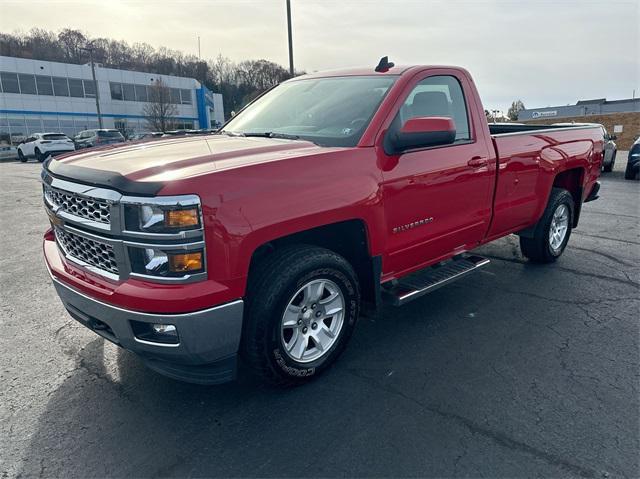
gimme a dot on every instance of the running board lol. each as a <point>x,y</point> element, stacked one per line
<point>429,279</point>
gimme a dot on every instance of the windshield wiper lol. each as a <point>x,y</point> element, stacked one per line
<point>272,134</point>
<point>228,133</point>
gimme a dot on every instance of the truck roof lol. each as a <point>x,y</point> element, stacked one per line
<point>360,71</point>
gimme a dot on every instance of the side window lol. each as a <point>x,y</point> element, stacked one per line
<point>438,96</point>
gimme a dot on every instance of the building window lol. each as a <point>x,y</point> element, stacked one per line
<point>75,88</point>
<point>27,84</point>
<point>89,88</point>
<point>44,85</point>
<point>9,82</point>
<point>175,96</point>
<point>128,92</point>
<point>50,125</point>
<point>17,129</point>
<point>186,97</point>
<point>116,91</point>
<point>60,86</point>
<point>34,125</point>
<point>141,93</point>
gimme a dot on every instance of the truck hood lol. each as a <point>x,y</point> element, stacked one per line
<point>160,161</point>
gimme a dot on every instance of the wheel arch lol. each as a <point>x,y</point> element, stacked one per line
<point>572,180</point>
<point>349,238</point>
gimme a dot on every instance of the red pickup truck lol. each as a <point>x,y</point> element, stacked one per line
<point>330,194</point>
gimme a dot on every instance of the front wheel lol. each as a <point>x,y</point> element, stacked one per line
<point>551,234</point>
<point>302,307</point>
<point>21,157</point>
<point>39,155</point>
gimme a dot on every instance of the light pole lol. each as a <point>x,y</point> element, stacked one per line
<point>290,37</point>
<point>89,48</point>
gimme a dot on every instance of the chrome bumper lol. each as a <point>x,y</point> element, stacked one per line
<point>208,340</point>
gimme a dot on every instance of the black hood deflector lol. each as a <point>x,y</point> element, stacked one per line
<point>102,178</point>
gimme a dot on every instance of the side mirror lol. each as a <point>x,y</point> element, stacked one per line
<point>422,132</point>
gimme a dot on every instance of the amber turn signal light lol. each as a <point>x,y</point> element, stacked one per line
<point>183,263</point>
<point>181,218</point>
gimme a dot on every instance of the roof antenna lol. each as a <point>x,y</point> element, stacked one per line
<point>384,65</point>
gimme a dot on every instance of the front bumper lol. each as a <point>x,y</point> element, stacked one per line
<point>208,339</point>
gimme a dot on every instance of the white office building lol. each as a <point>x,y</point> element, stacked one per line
<point>39,96</point>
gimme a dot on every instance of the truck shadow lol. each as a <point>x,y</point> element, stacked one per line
<point>425,371</point>
<point>112,416</point>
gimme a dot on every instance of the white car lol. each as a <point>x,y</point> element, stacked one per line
<point>42,145</point>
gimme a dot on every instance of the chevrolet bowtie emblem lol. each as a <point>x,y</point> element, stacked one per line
<point>53,217</point>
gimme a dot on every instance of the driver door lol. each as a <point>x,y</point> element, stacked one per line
<point>438,199</point>
<point>28,147</point>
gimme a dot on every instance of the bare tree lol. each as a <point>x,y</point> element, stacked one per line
<point>160,112</point>
<point>515,108</point>
<point>72,42</point>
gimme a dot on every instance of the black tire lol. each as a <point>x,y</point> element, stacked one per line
<point>538,248</point>
<point>271,286</point>
<point>609,168</point>
<point>629,173</point>
<point>39,156</point>
<point>21,157</point>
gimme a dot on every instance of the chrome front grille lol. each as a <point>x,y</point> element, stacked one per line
<point>82,206</point>
<point>94,253</point>
<point>97,229</point>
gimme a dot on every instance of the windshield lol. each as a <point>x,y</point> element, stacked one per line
<point>328,111</point>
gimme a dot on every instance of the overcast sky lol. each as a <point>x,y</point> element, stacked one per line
<point>544,52</point>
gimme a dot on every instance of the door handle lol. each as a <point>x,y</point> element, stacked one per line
<point>477,162</point>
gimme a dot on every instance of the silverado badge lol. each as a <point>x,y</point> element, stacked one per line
<point>410,226</point>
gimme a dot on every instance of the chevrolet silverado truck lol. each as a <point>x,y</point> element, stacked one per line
<point>329,195</point>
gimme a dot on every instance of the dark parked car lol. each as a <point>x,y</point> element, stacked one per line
<point>632,172</point>
<point>90,138</point>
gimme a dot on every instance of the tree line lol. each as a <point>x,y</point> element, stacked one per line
<point>238,82</point>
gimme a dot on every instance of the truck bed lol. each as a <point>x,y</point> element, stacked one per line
<point>509,128</point>
<point>529,158</point>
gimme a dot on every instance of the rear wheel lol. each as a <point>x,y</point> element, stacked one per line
<point>302,308</point>
<point>21,156</point>
<point>551,234</point>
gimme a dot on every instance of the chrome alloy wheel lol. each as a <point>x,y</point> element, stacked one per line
<point>312,320</point>
<point>559,227</point>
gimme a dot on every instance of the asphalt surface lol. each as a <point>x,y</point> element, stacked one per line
<point>519,370</point>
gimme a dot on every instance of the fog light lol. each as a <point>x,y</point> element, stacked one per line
<point>168,329</point>
<point>155,332</point>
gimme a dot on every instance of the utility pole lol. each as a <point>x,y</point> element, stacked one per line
<point>290,37</point>
<point>199,57</point>
<point>95,83</point>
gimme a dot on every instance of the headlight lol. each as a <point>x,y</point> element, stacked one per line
<point>167,237</point>
<point>154,218</point>
<point>164,215</point>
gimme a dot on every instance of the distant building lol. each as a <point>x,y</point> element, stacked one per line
<point>599,106</point>
<point>40,96</point>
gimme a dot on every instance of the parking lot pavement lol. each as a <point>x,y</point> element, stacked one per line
<point>520,370</point>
